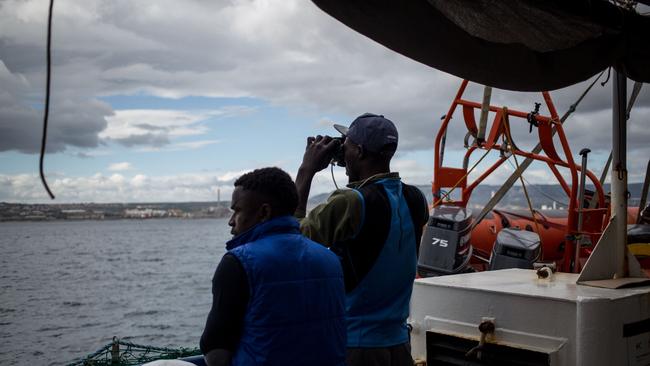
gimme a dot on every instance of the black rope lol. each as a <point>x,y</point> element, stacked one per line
<point>539,190</point>
<point>572,107</point>
<point>609,73</point>
<point>47,99</point>
<point>635,93</point>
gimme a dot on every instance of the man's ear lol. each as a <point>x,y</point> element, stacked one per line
<point>362,153</point>
<point>265,212</point>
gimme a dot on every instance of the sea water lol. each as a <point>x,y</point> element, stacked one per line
<point>68,287</point>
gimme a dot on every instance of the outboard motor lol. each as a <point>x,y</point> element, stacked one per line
<point>515,248</point>
<point>445,248</point>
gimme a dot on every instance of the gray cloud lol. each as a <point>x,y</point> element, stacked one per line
<point>74,121</point>
<point>150,139</point>
<point>71,125</point>
<point>150,127</point>
<point>289,53</point>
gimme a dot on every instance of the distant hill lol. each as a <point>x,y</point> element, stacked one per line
<point>541,195</point>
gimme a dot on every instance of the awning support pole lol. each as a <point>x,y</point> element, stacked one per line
<point>619,171</point>
<point>610,258</point>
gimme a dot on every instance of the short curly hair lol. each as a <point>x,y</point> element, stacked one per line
<point>275,185</point>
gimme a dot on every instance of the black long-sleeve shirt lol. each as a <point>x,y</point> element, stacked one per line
<point>230,295</point>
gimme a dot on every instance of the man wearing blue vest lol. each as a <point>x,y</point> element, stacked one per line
<point>374,226</point>
<point>278,297</point>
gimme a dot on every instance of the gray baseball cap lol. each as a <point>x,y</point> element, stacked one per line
<point>372,131</point>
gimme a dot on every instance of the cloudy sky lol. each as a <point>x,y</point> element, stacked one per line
<point>170,101</point>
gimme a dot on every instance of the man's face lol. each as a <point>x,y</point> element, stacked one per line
<point>351,157</point>
<point>246,207</point>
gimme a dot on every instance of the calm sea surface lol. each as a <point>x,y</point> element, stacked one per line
<point>68,287</point>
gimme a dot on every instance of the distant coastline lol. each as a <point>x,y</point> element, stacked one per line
<point>543,197</point>
<point>113,211</point>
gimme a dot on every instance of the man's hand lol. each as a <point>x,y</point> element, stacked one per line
<point>319,153</point>
<point>218,357</point>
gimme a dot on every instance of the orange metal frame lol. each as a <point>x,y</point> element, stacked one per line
<point>450,177</point>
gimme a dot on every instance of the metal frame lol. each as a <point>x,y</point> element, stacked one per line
<point>457,178</point>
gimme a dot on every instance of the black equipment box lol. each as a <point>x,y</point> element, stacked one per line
<point>445,241</point>
<point>638,233</point>
<point>515,248</point>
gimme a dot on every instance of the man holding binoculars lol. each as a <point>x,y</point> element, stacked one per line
<point>374,227</point>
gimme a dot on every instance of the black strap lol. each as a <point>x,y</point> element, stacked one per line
<point>418,209</point>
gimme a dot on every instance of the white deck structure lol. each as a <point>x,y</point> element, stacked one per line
<point>572,324</point>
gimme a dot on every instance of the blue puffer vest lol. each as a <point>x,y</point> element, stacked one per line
<point>296,311</point>
<point>378,307</point>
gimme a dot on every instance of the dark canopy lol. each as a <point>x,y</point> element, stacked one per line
<point>521,45</point>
